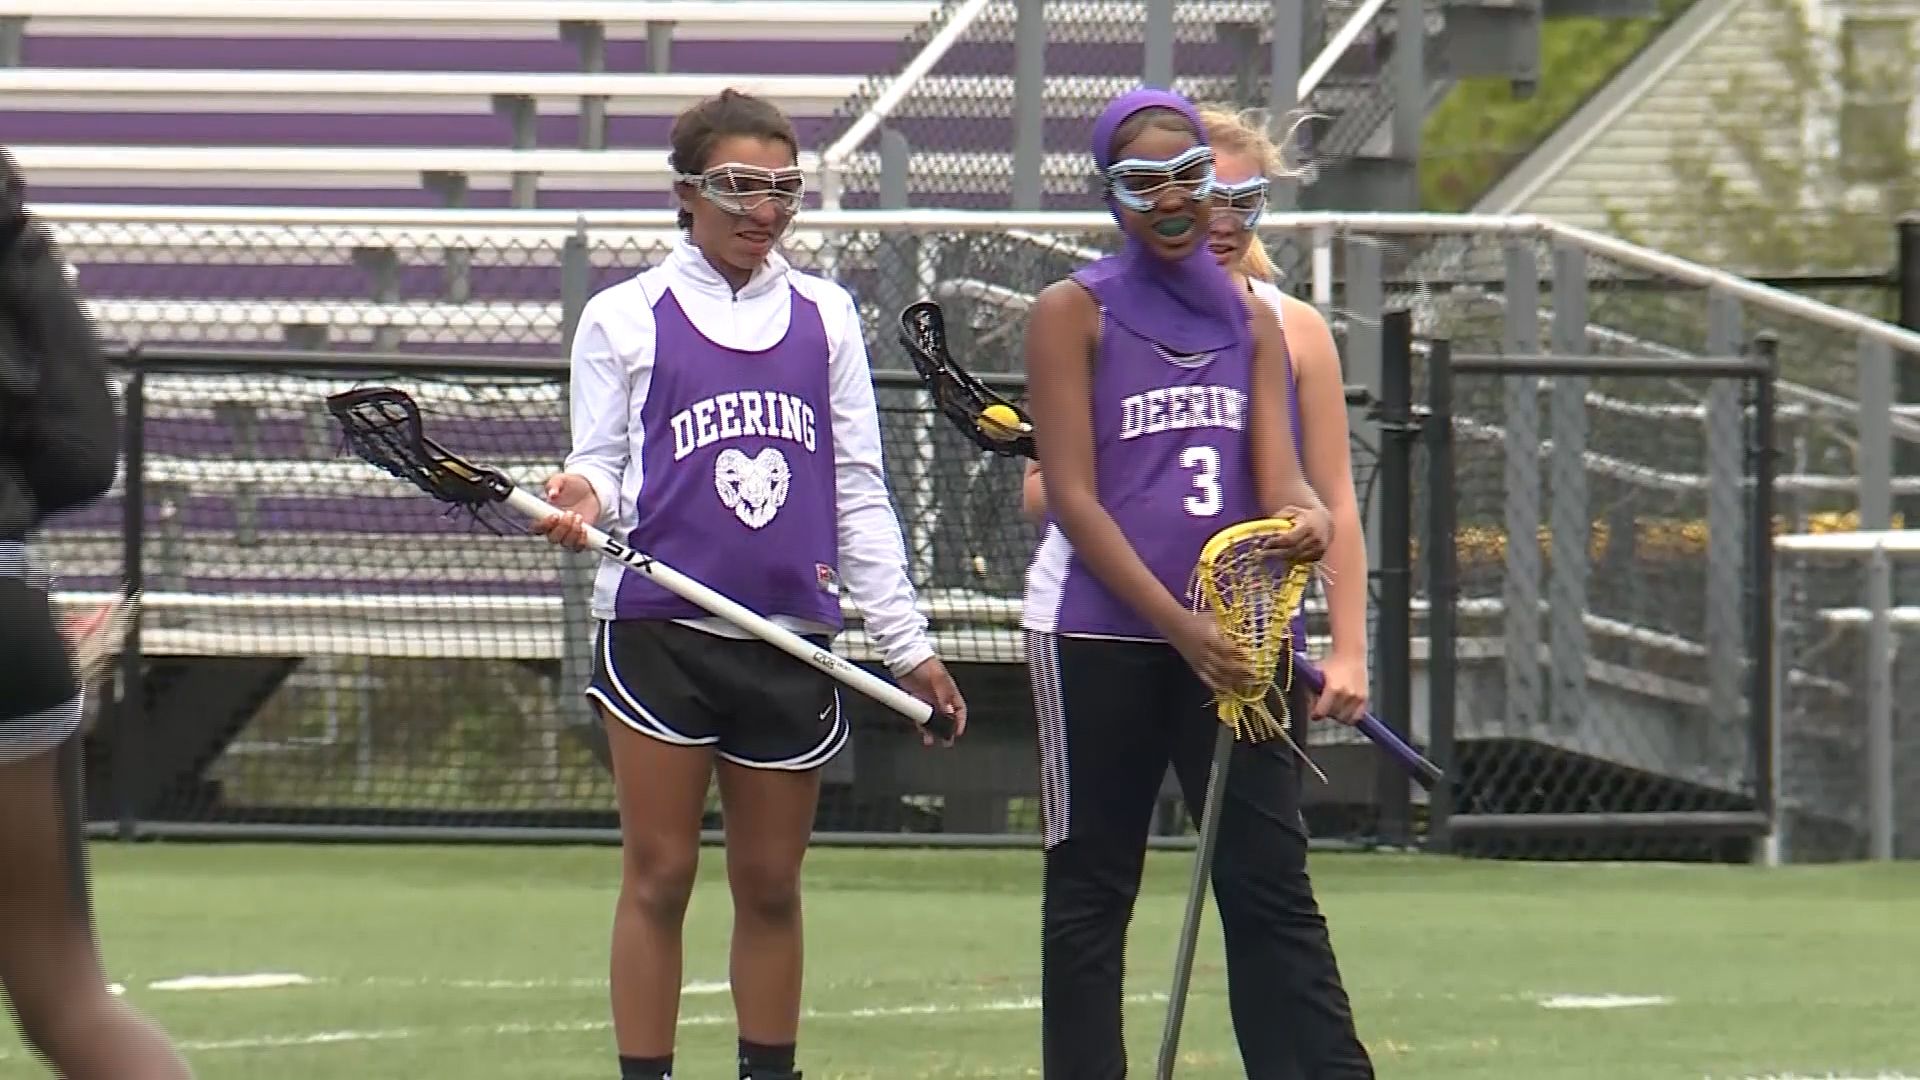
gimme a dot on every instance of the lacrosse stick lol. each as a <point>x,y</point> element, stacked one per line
<point>383,426</point>
<point>1253,602</point>
<point>1424,772</point>
<point>994,423</point>
<point>95,637</point>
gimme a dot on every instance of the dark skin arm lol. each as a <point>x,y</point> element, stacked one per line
<point>1061,336</point>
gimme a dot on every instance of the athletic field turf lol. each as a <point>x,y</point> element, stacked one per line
<point>489,964</point>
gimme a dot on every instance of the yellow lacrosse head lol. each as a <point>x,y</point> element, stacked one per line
<point>1253,598</point>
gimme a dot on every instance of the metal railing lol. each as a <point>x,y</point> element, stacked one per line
<point>953,26</point>
<point>430,282</point>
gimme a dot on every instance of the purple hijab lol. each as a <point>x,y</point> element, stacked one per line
<point>1188,306</point>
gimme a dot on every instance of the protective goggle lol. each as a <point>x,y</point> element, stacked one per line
<point>1137,184</point>
<point>742,189</point>
<point>1246,199</point>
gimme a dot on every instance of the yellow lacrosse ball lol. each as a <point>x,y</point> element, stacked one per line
<point>999,422</point>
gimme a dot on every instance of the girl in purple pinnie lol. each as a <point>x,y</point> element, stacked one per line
<point>724,421</point>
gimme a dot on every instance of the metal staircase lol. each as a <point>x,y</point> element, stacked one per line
<point>1368,107</point>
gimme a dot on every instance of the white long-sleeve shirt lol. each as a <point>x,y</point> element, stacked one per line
<point>612,368</point>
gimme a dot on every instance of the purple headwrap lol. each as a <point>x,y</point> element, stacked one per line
<point>1189,306</point>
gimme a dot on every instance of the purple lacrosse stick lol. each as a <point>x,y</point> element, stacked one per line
<point>1424,772</point>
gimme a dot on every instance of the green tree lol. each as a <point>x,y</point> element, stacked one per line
<point>1481,129</point>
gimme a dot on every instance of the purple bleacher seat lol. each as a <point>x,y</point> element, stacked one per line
<point>249,276</point>
<point>396,511</point>
<point>1108,58</point>
<point>234,586</point>
<point>404,198</point>
<point>539,430</point>
<point>528,583</point>
<point>323,129</point>
<point>697,57</point>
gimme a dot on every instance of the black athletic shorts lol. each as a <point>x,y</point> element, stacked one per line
<point>39,697</point>
<point>754,704</point>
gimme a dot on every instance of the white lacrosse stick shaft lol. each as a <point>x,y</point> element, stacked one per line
<point>921,713</point>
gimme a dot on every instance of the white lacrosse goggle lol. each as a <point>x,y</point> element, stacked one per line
<point>1137,184</point>
<point>741,189</point>
<point>1246,200</point>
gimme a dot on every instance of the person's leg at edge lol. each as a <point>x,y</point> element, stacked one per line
<point>1102,757</point>
<point>1291,1015</point>
<point>769,816</point>
<point>662,791</point>
<point>49,963</point>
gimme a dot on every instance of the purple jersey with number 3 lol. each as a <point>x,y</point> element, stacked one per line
<point>1172,466</point>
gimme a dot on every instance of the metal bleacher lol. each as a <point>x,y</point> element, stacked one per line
<point>472,102</point>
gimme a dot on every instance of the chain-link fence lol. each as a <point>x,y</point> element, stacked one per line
<point>1849,735</point>
<point>323,647</point>
<point>1604,667</point>
<point>512,287</point>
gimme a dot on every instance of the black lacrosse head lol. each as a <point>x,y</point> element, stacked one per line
<point>382,425</point>
<point>963,398</point>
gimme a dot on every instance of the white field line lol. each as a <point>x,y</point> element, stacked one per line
<point>1602,1001</point>
<point>275,980</point>
<point>1825,1076</point>
<point>332,1038</point>
<point>259,981</point>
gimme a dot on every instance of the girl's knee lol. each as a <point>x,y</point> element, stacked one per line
<point>658,878</point>
<point>766,890</point>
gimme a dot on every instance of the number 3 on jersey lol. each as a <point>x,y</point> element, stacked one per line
<point>1203,463</point>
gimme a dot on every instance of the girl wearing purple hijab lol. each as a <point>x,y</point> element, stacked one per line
<point>1157,399</point>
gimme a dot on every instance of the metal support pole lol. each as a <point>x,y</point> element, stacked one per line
<point>1366,296</point>
<point>896,285</point>
<point>130,717</point>
<point>1029,102</point>
<point>1907,268</point>
<point>577,570</point>
<point>1409,73</point>
<point>1520,578</point>
<point>1763,648</point>
<point>1876,434</point>
<point>1289,20</point>
<point>1159,67</point>
<point>1393,649</point>
<point>13,41</point>
<point>590,38</point>
<point>1724,741</point>
<point>660,47</point>
<point>1443,588</point>
<point>1879,678</point>
<point>1568,512</point>
<point>523,113</point>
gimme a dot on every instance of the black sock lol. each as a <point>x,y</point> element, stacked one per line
<point>654,1068</point>
<point>758,1060</point>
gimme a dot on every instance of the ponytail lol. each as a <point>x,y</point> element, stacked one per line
<point>1257,263</point>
